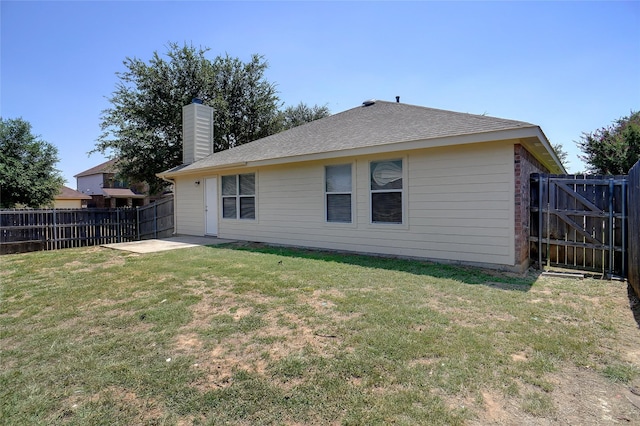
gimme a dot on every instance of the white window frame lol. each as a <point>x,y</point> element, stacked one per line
<point>350,193</point>
<point>239,196</point>
<point>402,191</point>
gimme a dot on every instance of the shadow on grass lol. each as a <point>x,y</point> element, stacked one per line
<point>466,274</point>
<point>634,303</point>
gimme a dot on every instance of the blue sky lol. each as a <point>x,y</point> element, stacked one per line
<point>569,67</point>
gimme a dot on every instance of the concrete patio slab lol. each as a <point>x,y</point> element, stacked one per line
<point>172,243</point>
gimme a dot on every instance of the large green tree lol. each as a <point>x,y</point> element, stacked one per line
<point>143,126</point>
<point>28,176</point>
<point>613,149</point>
<point>294,116</point>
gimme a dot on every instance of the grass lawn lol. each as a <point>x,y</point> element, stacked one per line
<point>254,335</point>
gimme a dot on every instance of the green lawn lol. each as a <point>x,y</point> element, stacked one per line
<point>233,335</point>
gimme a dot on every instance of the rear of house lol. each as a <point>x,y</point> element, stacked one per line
<point>383,178</point>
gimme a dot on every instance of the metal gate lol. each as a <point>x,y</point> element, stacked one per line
<point>579,222</point>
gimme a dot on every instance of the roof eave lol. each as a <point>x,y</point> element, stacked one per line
<point>408,145</point>
<point>185,171</point>
<point>543,152</point>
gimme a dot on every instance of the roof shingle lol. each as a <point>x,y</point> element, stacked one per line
<point>365,126</point>
<point>67,193</point>
<point>106,167</point>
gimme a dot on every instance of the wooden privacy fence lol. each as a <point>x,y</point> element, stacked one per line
<point>155,220</point>
<point>580,222</point>
<point>51,229</point>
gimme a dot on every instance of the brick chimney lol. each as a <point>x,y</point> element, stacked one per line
<point>197,131</point>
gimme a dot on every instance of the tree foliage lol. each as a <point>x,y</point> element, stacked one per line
<point>561,153</point>
<point>27,167</point>
<point>613,149</point>
<point>294,116</point>
<point>143,126</point>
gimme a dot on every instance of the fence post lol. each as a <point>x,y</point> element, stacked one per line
<point>624,228</point>
<point>155,220</point>
<point>549,189</point>
<point>540,220</point>
<point>138,223</point>
<point>55,231</point>
<point>611,245</point>
<point>118,225</point>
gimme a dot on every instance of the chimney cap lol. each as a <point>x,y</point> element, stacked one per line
<point>196,101</point>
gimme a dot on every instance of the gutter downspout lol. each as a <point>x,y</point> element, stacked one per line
<point>175,200</point>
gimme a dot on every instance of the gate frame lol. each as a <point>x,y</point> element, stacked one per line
<point>544,190</point>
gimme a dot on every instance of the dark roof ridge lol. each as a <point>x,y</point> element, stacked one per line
<point>448,111</point>
<point>106,167</point>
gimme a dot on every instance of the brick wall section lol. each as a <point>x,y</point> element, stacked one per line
<point>524,165</point>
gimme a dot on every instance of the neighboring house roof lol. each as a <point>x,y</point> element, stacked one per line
<point>120,193</point>
<point>381,126</point>
<point>106,167</point>
<point>67,193</point>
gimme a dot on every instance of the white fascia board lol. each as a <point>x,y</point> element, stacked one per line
<point>552,153</point>
<point>199,171</point>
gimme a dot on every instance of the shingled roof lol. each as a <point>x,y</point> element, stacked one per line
<point>106,167</point>
<point>367,126</point>
<point>67,193</point>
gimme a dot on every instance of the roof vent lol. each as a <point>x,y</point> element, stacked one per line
<point>369,102</point>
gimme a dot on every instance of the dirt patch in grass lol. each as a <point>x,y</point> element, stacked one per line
<point>281,333</point>
<point>296,338</point>
<point>324,303</point>
<point>77,266</point>
<point>254,351</point>
<point>189,343</point>
<point>215,299</point>
<point>73,265</point>
<point>147,410</point>
<point>579,397</point>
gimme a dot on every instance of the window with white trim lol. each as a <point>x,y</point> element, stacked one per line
<point>338,193</point>
<point>239,196</point>
<point>386,191</point>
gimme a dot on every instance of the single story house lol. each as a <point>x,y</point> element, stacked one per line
<point>69,198</point>
<point>383,178</point>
